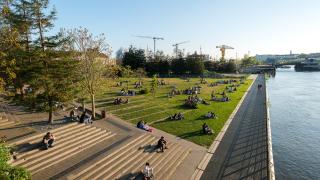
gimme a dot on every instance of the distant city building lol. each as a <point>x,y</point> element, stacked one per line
<point>264,57</point>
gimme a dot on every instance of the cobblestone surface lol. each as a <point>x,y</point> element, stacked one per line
<point>242,153</point>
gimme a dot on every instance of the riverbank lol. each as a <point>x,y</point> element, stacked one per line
<point>243,151</point>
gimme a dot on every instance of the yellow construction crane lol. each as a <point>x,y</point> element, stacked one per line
<point>223,50</point>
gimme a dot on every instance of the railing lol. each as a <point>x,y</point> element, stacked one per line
<point>271,173</point>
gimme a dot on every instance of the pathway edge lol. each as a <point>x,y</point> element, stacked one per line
<point>206,158</point>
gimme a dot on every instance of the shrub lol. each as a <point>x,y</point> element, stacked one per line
<point>7,171</point>
<point>144,91</point>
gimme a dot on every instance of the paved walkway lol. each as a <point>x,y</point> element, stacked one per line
<point>242,153</point>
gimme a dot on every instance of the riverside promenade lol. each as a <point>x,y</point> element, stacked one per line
<point>243,152</point>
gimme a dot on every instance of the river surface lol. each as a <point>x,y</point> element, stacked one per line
<point>295,123</point>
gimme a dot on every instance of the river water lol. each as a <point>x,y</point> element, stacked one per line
<point>295,123</point>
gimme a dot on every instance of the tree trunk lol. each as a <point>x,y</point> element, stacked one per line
<point>21,93</point>
<point>93,106</point>
<point>50,115</point>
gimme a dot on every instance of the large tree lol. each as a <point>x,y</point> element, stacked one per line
<point>135,58</point>
<point>195,64</point>
<point>92,50</point>
<point>249,61</point>
<point>179,66</point>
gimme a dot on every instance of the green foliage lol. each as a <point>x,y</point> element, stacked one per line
<point>154,85</point>
<point>7,171</point>
<point>195,64</point>
<point>135,58</point>
<point>179,66</point>
<point>158,67</point>
<point>249,61</point>
<point>144,91</point>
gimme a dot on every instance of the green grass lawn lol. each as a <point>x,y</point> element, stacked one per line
<point>155,110</point>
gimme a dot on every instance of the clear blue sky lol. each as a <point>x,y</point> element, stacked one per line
<point>258,26</point>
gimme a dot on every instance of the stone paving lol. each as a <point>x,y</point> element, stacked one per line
<point>243,151</point>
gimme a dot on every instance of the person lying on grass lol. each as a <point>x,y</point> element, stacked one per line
<point>143,125</point>
<point>210,115</point>
<point>48,140</point>
<point>206,129</point>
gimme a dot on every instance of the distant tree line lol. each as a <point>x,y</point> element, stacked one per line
<point>161,64</point>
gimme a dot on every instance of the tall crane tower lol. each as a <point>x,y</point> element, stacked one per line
<point>154,42</point>
<point>223,50</point>
<point>176,46</point>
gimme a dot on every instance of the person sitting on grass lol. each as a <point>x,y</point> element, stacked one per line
<point>147,172</point>
<point>48,140</point>
<point>210,115</point>
<point>206,129</point>
<point>205,102</point>
<point>162,144</point>
<point>173,117</point>
<point>179,116</point>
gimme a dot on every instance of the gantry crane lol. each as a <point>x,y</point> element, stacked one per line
<point>176,46</point>
<point>154,42</point>
<point>223,50</point>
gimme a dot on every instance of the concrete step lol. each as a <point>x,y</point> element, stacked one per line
<point>121,149</point>
<point>6,123</point>
<point>123,161</point>
<point>61,143</point>
<point>3,120</point>
<point>155,161</point>
<point>100,168</point>
<point>144,156</point>
<point>169,169</point>
<point>70,152</point>
<point>64,133</point>
<point>43,154</point>
<point>40,135</point>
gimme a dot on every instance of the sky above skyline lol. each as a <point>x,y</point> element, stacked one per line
<point>255,26</point>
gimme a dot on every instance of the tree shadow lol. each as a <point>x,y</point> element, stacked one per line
<point>192,134</point>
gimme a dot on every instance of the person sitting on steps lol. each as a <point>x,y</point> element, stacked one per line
<point>85,118</point>
<point>48,140</point>
<point>162,144</point>
<point>147,172</point>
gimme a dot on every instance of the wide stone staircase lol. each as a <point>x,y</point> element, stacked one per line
<point>128,161</point>
<point>124,161</point>
<point>71,140</point>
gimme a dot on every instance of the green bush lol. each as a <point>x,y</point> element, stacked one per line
<point>144,91</point>
<point>7,171</point>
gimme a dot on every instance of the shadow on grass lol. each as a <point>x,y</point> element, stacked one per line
<point>192,134</point>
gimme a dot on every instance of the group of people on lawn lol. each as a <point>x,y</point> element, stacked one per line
<point>123,92</point>
<point>176,116</point>
<point>118,101</point>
